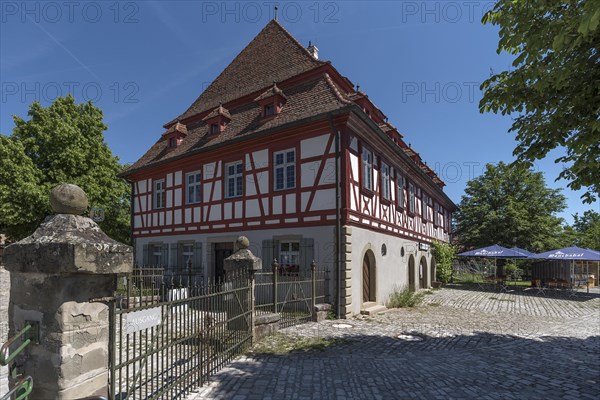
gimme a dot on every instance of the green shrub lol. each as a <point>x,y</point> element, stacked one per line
<point>404,297</point>
<point>444,254</point>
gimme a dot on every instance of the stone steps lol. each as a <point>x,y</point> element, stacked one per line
<point>372,308</point>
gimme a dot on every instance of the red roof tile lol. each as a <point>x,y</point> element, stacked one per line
<point>273,55</point>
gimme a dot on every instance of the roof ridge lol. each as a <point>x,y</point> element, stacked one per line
<point>336,90</point>
<point>283,56</point>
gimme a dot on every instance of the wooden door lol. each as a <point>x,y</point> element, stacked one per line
<point>221,251</point>
<point>366,280</point>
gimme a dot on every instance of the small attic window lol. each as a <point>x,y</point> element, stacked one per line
<point>214,128</point>
<point>269,110</point>
<point>172,142</point>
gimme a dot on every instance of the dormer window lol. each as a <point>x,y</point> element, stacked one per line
<point>269,110</point>
<point>217,120</point>
<point>271,101</point>
<point>175,135</point>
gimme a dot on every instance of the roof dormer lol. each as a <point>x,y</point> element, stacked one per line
<point>175,135</point>
<point>271,101</point>
<point>217,120</point>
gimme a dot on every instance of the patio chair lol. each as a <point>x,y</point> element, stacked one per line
<point>539,288</point>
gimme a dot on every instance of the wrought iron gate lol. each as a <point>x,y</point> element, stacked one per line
<point>169,337</point>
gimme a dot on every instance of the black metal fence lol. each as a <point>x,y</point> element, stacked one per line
<point>171,331</point>
<point>168,338</point>
<point>291,294</point>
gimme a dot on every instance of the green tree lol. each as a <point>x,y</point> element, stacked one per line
<point>62,143</point>
<point>588,229</point>
<point>444,254</point>
<point>510,205</point>
<point>553,91</point>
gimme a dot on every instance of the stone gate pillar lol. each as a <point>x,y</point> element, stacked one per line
<point>55,273</point>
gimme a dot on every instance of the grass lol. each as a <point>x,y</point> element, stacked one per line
<point>401,298</point>
<point>280,343</point>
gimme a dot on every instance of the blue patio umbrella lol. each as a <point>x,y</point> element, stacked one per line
<point>495,251</point>
<point>525,253</point>
<point>570,253</point>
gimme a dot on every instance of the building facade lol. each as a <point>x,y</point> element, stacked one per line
<point>284,149</point>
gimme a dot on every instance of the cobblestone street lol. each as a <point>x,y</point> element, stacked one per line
<point>461,344</point>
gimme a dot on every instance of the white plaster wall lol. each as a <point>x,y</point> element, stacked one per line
<point>324,244</point>
<point>391,269</point>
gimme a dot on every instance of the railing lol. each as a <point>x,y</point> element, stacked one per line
<point>164,345</point>
<point>29,334</point>
<point>291,294</point>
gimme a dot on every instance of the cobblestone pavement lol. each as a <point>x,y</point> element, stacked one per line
<point>461,344</point>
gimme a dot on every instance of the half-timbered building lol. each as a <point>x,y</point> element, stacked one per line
<point>283,149</point>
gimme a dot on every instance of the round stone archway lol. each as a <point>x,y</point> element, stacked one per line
<point>369,274</point>
<point>412,273</point>
<point>423,272</point>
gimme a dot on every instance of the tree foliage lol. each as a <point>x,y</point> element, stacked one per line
<point>587,228</point>
<point>510,205</point>
<point>554,88</point>
<point>62,143</point>
<point>444,254</point>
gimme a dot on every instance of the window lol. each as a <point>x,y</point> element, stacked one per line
<point>172,142</point>
<point>400,189</point>
<point>234,179</point>
<point>439,214</point>
<point>425,206</point>
<point>385,181</point>
<point>411,198</point>
<point>289,253</point>
<point>188,255</point>
<point>269,110</point>
<point>367,157</point>
<point>285,170</point>
<point>214,128</point>
<point>193,188</point>
<point>157,256</point>
<point>159,194</point>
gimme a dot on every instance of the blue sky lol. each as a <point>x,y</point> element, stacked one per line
<point>144,62</point>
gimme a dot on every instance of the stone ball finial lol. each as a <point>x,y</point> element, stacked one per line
<point>242,242</point>
<point>68,199</point>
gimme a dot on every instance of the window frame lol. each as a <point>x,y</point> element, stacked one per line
<point>288,268</point>
<point>386,183</point>
<point>156,192</point>
<point>198,184</point>
<point>366,168</point>
<point>400,198</point>
<point>285,166</point>
<point>236,175</point>
<point>412,198</point>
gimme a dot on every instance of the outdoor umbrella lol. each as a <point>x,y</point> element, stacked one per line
<point>526,253</point>
<point>570,253</point>
<point>495,251</point>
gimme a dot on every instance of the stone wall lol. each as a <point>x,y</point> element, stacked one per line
<point>4,298</point>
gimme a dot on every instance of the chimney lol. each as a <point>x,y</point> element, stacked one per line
<point>312,49</point>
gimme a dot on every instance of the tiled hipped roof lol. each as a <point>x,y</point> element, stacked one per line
<point>305,100</point>
<point>263,69</point>
<point>273,55</point>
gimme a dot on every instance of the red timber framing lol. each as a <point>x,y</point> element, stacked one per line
<point>260,206</point>
<point>368,209</point>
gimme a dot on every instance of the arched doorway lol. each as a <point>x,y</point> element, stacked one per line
<point>411,273</point>
<point>423,284</point>
<point>369,278</point>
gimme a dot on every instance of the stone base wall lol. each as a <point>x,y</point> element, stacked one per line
<point>265,325</point>
<point>4,299</point>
